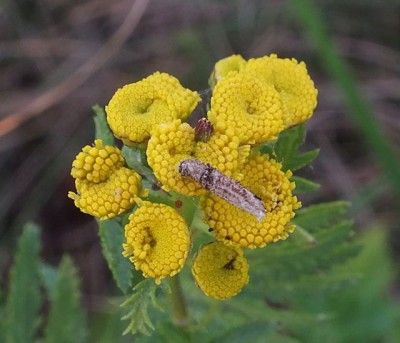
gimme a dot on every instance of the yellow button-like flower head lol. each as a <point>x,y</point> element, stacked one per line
<point>223,67</point>
<point>291,80</point>
<point>96,163</point>
<point>175,142</point>
<point>249,106</point>
<point>157,240</point>
<point>223,152</point>
<point>105,188</point>
<point>137,108</point>
<point>169,145</point>
<point>264,177</point>
<point>220,271</point>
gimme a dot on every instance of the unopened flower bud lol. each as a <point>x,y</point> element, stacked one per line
<point>203,130</point>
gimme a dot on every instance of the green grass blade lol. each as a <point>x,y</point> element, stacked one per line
<point>24,299</point>
<point>359,108</point>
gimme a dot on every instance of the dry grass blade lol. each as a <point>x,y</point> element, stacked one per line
<point>106,52</point>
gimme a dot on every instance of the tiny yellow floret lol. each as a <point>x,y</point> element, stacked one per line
<point>157,240</point>
<point>220,271</point>
<point>137,108</point>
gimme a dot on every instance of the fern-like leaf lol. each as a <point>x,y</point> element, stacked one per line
<point>301,160</point>
<point>322,216</point>
<point>112,237</point>
<point>24,298</point>
<point>285,149</point>
<point>144,295</point>
<point>48,276</point>
<point>303,185</point>
<point>322,241</point>
<point>66,322</point>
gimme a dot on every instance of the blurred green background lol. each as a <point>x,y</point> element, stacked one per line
<point>58,58</point>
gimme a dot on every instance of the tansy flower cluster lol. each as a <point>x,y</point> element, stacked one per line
<point>246,198</point>
<point>105,188</point>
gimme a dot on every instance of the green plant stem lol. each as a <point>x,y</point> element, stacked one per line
<point>179,310</point>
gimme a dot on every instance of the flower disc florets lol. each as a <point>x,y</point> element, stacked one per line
<point>263,177</point>
<point>290,78</point>
<point>222,68</point>
<point>250,107</point>
<point>105,188</point>
<point>175,142</point>
<point>96,163</point>
<point>137,108</point>
<point>157,240</point>
<point>220,271</point>
<point>170,144</point>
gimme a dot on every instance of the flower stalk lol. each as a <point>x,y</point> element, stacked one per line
<point>179,307</point>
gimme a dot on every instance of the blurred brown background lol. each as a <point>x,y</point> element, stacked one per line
<point>60,57</point>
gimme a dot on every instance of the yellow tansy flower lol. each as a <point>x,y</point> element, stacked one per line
<point>174,142</point>
<point>264,177</point>
<point>290,78</point>
<point>223,152</point>
<point>104,187</point>
<point>137,108</point>
<point>220,271</point>
<point>96,163</point>
<point>170,144</point>
<point>223,67</point>
<point>157,240</point>
<point>251,107</point>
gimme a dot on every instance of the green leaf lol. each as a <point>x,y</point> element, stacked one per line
<point>289,142</point>
<point>285,149</point>
<point>304,185</point>
<point>279,273</point>
<point>102,129</point>
<point>249,332</point>
<point>323,215</point>
<point>144,295</point>
<point>173,333</point>
<point>112,237</point>
<point>301,160</point>
<point>48,276</point>
<point>66,322</point>
<point>24,298</point>
<point>136,159</point>
<point>363,312</point>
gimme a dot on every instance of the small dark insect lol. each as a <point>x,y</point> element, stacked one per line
<point>223,186</point>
